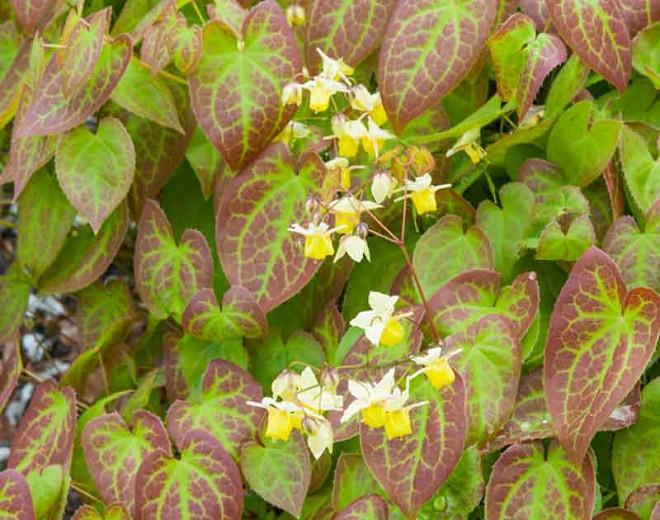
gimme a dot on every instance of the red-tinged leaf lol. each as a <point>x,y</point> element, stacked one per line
<point>14,295</point>
<point>95,170</point>
<point>526,480</point>
<point>329,327</point>
<point>116,511</point>
<point>370,507</point>
<point>204,483</point>
<point>446,250</point>
<point>114,452</point>
<point>240,316</point>
<point>85,255</point>
<point>428,48</point>
<point>644,501</point>
<point>412,468</point>
<point>616,513</point>
<point>543,55</point>
<point>15,498</point>
<point>221,407</point>
<point>52,111</point>
<point>487,356</point>
<point>599,342</point>
<point>46,431</point>
<point>229,12</point>
<point>253,217</point>
<point>33,15</point>
<point>278,471</point>
<point>10,369</point>
<point>597,32</point>
<point>185,46</point>
<point>352,480</point>
<point>169,275</point>
<point>11,83</point>
<point>639,13</point>
<point>537,11</point>
<point>345,29</point>
<point>236,89</point>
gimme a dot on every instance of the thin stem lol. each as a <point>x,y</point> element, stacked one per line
<point>77,487</point>
<point>198,12</point>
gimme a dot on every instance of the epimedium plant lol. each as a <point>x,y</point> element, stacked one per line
<point>335,259</point>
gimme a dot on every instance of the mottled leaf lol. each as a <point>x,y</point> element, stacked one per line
<point>370,507</point>
<point>10,369</point>
<point>641,170</point>
<point>15,499</point>
<point>615,513</point>
<point>644,501</point>
<point>33,14</point>
<point>329,327</point>
<point>11,83</point>
<point>116,511</point>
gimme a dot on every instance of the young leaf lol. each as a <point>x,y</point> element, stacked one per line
<point>116,511</point>
<point>597,32</point>
<point>254,214</point>
<point>428,48</point>
<point>599,342</point>
<point>10,369</point>
<point>220,408</point>
<point>525,478</point>
<point>369,507</point>
<point>114,453</point>
<point>278,471</point>
<point>645,55</point>
<point>204,483</point>
<point>15,498</point>
<point>49,488</point>
<point>345,29</point>
<point>46,431</point>
<point>14,293</point>
<point>560,243</point>
<point>95,171</point>
<point>640,170</point>
<point>236,88</point>
<point>167,275</point>
<point>33,15</point>
<point>412,468</point>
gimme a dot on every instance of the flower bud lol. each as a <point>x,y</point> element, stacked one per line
<point>330,380</point>
<point>362,230</point>
<point>285,385</point>
<point>295,15</point>
<point>421,159</point>
<point>382,186</point>
<point>312,205</point>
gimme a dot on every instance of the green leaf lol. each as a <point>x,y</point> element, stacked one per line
<point>12,366</point>
<point>370,507</point>
<point>278,471</point>
<point>12,81</point>
<point>168,275</point>
<point>15,498</point>
<point>582,143</point>
<point>205,161</point>
<point>412,72</point>
<point>95,171</point>
<point>446,250</point>
<point>644,501</point>
<point>641,170</point>
<point>646,58</point>
<point>14,293</point>
<point>352,480</point>
<point>49,488</point>
<point>147,96</point>
<point>559,242</point>
<point>566,85</point>
<point>253,218</point>
<point>526,478</point>
<point>237,86</point>
<point>600,340</point>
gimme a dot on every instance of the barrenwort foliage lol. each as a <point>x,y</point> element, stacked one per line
<point>331,259</point>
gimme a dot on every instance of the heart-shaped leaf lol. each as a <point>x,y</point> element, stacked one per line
<point>278,471</point>
<point>561,242</point>
<point>644,501</point>
<point>14,293</point>
<point>236,88</point>
<point>412,468</point>
<point>240,316</point>
<point>352,480</point>
<point>203,483</point>
<point>596,30</point>
<point>446,250</point>
<point>46,431</point>
<point>168,275</point>
<point>615,513</point>
<point>566,85</point>
<point>15,498</point>
<point>115,511</point>
<point>428,48</point>
<point>526,478</point>
<point>582,143</point>
<point>640,170</point>
<point>370,507</point>
<point>221,407</point>
<point>10,370</point>
<point>599,342</point>
<point>95,171</point>
<point>254,214</point>
<point>345,29</point>
<point>114,452</point>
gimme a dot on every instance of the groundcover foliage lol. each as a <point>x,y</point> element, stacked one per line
<point>350,259</point>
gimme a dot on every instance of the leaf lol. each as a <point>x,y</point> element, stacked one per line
<point>507,227</point>
<point>370,507</point>
<point>640,170</point>
<point>352,480</point>
<point>49,488</point>
<point>615,513</point>
<point>204,483</point>
<point>10,369</point>
<point>33,15</point>
<point>147,96</point>
<point>229,12</point>
<point>205,161</point>
<point>44,220</point>
<point>644,501</point>
<point>85,255</point>
<point>15,499</point>
<point>566,85</point>
<point>52,111</point>
<point>635,461</point>
<point>236,89</point>
<point>526,478</point>
<point>543,54</point>
<point>582,143</point>
<point>241,316</point>
<point>645,55</point>
<point>346,29</point>
<point>328,328</point>
<point>220,408</point>
<point>599,342</point>
<point>278,471</point>
<point>95,171</point>
<point>446,250</point>
<point>114,452</point>
<point>167,275</point>
<point>46,431</point>
<point>597,32</point>
<point>116,511</point>
<point>428,48</point>
<point>254,214</point>
<point>14,293</point>
<point>412,468</point>
<point>488,359</point>
<point>12,82</point>
<point>558,242</point>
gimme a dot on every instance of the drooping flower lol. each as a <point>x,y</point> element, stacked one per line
<point>292,94</point>
<point>375,138</point>
<point>363,101</point>
<point>422,193</point>
<point>339,168</point>
<point>320,436</point>
<point>283,417</point>
<point>347,211</point>
<point>317,397</point>
<point>354,246</point>
<point>469,143</point>
<point>436,367</point>
<point>321,89</point>
<point>382,186</point>
<point>334,69</point>
<point>293,130</point>
<point>318,239</point>
<point>381,326</point>
<point>349,135</point>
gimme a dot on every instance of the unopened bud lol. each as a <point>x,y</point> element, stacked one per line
<point>295,15</point>
<point>285,385</point>
<point>362,230</point>
<point>312,205</point>
<point>421,159</point>
<point>330,377</point>
<point>316,218</point>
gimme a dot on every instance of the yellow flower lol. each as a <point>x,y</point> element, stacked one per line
<point>338,167</point>
<point>397,424</point>
<point>363,101</point>
<point>392,333</point>
<point>422,193</point>
<point>373,416</point>
<point>374,139</point>
<point>321,89</point>
<point>318,239</point>
<point>468,143</point>
<point>347,211</point>
<point>436,367</point>
<point>281,423</point>
<point>335,70</point>
<point>349,134</point>
<point>380,325</point>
